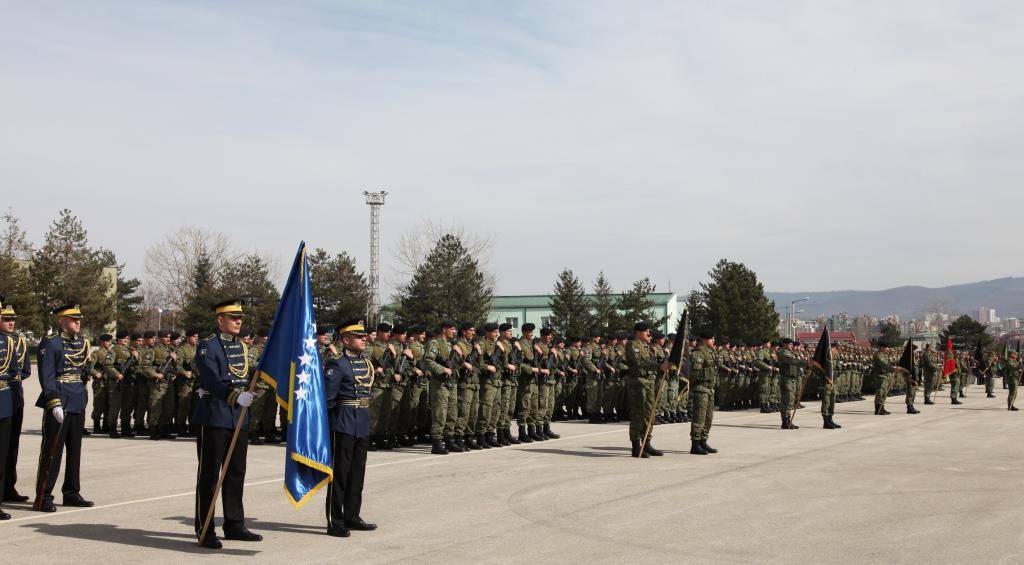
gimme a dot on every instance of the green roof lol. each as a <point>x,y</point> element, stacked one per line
<point>507,302</point>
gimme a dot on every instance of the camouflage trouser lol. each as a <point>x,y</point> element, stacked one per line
<point>828,393</point>
<point>1011,385</point>
<point>764,389</point>
<point>99,398</point>
<point>127,390</point>
<point>108,402</point>
<point>468,407</point>
<point>490,395</point>
<point>788,395</point>
<point>528,413</point>
<point>396,424</point>
<point>263,412</point>
<point>416,395</point>
<point>883,389</point>
<point>444,409</point>
<point>545,401</point>
<point>161,403</point>
<point>554,394</point>
<point>183,389</point>
<point>776,388</point>
<point>610,395</point>
<point>702,411</point>
<point>671,396</point>
<point>141,400</point>
<point>990,382</point>
<point>570,395</point>
<point>641,396</point>
<point>379,409</point>
<point>594,394</point>
<point>507,407</point>
<point>929,386</point>
<point>954,385</point>
<point>911,392</point>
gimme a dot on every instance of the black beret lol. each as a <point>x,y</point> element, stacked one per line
<point>175,335</point>
<point>190,333</point>
<point>528,327</point>
<point>322,331</point>
<point>447,324</point>
<point>121,334</point>
<point>134,337</point>
<point>785,340</point>
<point>490,327</point>
<point>105,337</point>
<point>707,335</point>
<point>505,327</point>
<point>740,343</point>
<point>465,326</point>
<point>641,327</point>
<point>595,333</point>
<point>384,327</point>
<point>164,333</point>
<point>149,334</point>
<point>559,340</point>
<point>546,331</point>
<point>657,335</point>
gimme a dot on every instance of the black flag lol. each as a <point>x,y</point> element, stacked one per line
<point>907,359</point>
<point>823,353</point>
<point>675,356</point>
<point>979,356</point>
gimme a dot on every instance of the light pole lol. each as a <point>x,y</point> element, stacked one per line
<point>374,200</point>
<point>791,313</point>
<point>159,317</point>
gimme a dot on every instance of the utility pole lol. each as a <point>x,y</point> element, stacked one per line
<point>374,200</point>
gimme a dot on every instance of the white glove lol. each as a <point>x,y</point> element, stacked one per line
<point>58,413</point>
<point>245,399</point>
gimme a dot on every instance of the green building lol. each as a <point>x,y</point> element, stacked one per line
<point>536,308</point>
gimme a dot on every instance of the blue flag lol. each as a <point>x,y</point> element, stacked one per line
<point>291,364</point>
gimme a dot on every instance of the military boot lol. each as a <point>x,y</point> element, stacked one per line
<point>511,438</point>
<point>550,434</point>
<point>524,436</point>
<point>928,401</point>
<point>534,431</point>
<point>882,411</point>
<point>439,447</point>
<point>912,410</point>
<point>697,449</point>
<point>708,448</point>
<point>833,422</point>
<point>451,446</point>
<point>635,449</point>
<point>765,409</point>
<point>828,423</point>
<point>470,442</point>
<point>650,449</point>
<point>955,401</point>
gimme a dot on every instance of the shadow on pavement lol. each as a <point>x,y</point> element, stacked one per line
<point>570,452</point>
<point>257,526</point>
<point>167,541</point>
<point>752,426</point>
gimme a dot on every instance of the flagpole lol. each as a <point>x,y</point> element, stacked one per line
<point>224,467</point>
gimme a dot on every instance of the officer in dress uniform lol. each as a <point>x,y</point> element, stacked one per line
<point>222,361</point>
<point>348,378</point>
<point>13,354</point>
<point>62,360</point>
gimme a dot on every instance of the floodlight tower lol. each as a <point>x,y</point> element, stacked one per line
<point>374,200</point>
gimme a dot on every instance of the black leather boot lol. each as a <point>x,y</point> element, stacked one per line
<point>524,436</point>
<point>650,450</point>
<point>511,439</point>
<point>833,422</point>
<point>635,449</point>
<point>439,448</point>
<point>697,449</point>
<point>912,410</point>
<point>451,446</point>
<point>828,424</point>
<point>550,434</point>
<point>534,431</point>
<point>708,448</point>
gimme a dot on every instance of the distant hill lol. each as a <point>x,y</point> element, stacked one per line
<point>1005,295</point>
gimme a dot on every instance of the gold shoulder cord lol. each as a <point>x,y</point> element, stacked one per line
<point>71,356</point>
<point>244,371</point>
<point>10,353</point>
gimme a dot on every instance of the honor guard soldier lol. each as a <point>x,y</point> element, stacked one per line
<point>222,361</point>
<point>62,360</point>
<point>348,378</point>
<point>643,368</point>
<point>703,381</point>
<point>14,367</point>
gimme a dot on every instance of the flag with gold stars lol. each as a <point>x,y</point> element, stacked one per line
<point>291,365</point>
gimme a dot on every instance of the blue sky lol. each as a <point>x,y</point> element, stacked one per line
<point>827,145</point>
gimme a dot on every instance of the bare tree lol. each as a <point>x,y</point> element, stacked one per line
<point>415,243</point>
<point>14,244</point>
<point>171,261</point>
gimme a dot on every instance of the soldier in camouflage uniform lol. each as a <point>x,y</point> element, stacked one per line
<point>1012,376</point>
<point>546,380</point>
<point>509,383</point>
<point>417,389</point>
<point>104,381</point>
<point>439,361</point>
<point>467,388</point>
<point>703,381</point>
<point>790,366</point>
<point>184,385</point>
<point>881,367</point>
<point>382,356</point>
<point>527,393</point>
<point>493,358</point>
<point>592,357</point>
<point>159,367</point>
<point>124,361</point>
<point>140,346</point>
<point>643,370</point>
<point>402,374</point>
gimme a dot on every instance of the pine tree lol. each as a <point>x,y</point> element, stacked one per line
<point>570,308</point>
<point>448,285</point>
<point>698,312</point>
<point>736,306</point>
<point>603,305</point>
<point>15,282</point>
<point>966,333</point>
<point>636,304</point>
<point>65,269</point>
<point>888,335</point>
<point>340,292</point>
<point>249,280</point>
<point>202,295</point>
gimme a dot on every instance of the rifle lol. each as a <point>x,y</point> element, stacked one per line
<point>128,366</point>
<point>515,357</point>
<point>167,366</point>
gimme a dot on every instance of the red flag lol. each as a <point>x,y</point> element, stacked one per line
<point>949,366</point>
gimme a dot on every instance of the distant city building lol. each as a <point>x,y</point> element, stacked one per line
<point>987,316</point>
<point>846,338</point>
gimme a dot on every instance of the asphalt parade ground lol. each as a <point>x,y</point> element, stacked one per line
<point>944,486</point>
